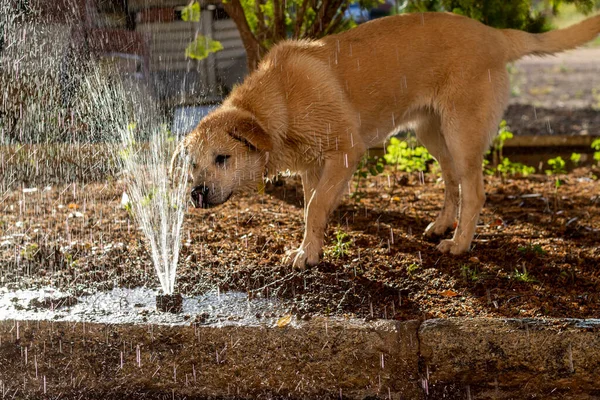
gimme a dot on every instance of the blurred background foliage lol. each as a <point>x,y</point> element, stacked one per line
<point>263,23</point>
<point>528,15</point>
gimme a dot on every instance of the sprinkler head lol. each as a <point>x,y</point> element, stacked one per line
<point>172,303</point>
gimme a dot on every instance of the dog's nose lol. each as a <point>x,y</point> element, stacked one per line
<point>199,194</point>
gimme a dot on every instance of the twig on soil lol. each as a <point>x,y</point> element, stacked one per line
<point>283,279</point>
<point>339,306</point>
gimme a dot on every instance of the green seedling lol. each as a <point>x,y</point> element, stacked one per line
<point>70,260</point>
<point>509,168</point>
<point>557,168</point>
<point>596,147</point>
<point>468,273</point>
<point>366,167</point>
<point>412,268</point>
<point>523,276</point>
<point>576,158</point>
<point>147,199</point>
<point>502,166</point>
<point>407,156</point>
<point>532,249</point>
<point>29,251</point>
<point>341,245</point>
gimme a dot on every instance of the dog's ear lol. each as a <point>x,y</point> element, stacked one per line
<point>249,131</point>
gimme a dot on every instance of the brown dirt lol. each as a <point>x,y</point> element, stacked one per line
<point>388,270</point>
<point>536,252</point>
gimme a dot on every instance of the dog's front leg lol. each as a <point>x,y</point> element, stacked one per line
<point>322,192</point>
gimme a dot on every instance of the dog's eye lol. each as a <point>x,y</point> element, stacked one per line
<point>194,165</point>
<point>221,159</point>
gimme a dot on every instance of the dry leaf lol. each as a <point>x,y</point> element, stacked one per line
<point>449,293</point>
<point>73,206</point>
<point>283,321</point>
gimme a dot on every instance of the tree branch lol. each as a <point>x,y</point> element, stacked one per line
<point>279,21</point>
<point>254,49</point>
<point>337,21</point>
<point>262,29</point>
<point>325,15</point>
<point>300,19</point>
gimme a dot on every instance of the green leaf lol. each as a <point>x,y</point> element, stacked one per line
<point>191,12</point>
<point>147,199</point>
<point>201,47</point>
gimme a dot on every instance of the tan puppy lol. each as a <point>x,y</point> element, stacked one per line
<point>314,107</point>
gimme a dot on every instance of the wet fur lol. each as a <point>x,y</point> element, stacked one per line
<point>314,107</point>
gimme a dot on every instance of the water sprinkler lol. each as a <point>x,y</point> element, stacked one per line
<point>171,303</point>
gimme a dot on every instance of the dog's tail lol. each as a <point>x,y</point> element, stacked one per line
<point>523,43</point>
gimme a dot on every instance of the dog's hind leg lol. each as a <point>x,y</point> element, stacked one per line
<point>429,133</point>
<point>467,129</point>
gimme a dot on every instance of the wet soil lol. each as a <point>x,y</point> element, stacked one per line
<point>536,252</point>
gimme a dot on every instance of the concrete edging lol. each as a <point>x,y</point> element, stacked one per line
<point>320,358</point>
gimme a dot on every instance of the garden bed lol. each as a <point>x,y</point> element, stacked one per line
<point>536,251</point>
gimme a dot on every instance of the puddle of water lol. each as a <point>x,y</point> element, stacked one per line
<point>137,306</point>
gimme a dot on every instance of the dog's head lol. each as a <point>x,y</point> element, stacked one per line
<point>227,151</point>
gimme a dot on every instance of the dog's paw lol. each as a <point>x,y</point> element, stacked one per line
<point>300,258</point>
<point>436,229</point>
<point>452,247</point>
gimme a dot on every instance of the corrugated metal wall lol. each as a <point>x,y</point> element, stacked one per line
<point>184,81</point>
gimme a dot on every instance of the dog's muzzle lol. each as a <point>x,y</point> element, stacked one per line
<point>199,195</point>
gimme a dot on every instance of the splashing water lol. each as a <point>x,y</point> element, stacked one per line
<point>157,204</point>
<point>54,94</point>
<point>156,199</point>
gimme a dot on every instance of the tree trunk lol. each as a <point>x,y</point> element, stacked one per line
<point>254,49</point>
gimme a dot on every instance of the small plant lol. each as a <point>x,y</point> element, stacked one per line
<point>366,167</point>
<point>407,156</point>
<point>523,276</point>
<point>412,268</point>
<point>596,147</point>
<point>504,134</point>
<point>341,245</point>
<point>557,167</point>
<point>468,273</point>
<point>147,199</point>
<point>509,168</point>
<point>29,251</point>
<point>501,165</point>
<point>532,249</point>
<point>127,205</point>
<point>576,158</point>
<point>70,260</point>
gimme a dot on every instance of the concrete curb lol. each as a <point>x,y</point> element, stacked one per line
<point>321,358</point>
<point>519,357</point>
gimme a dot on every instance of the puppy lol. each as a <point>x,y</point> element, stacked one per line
<point>314,108</point>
